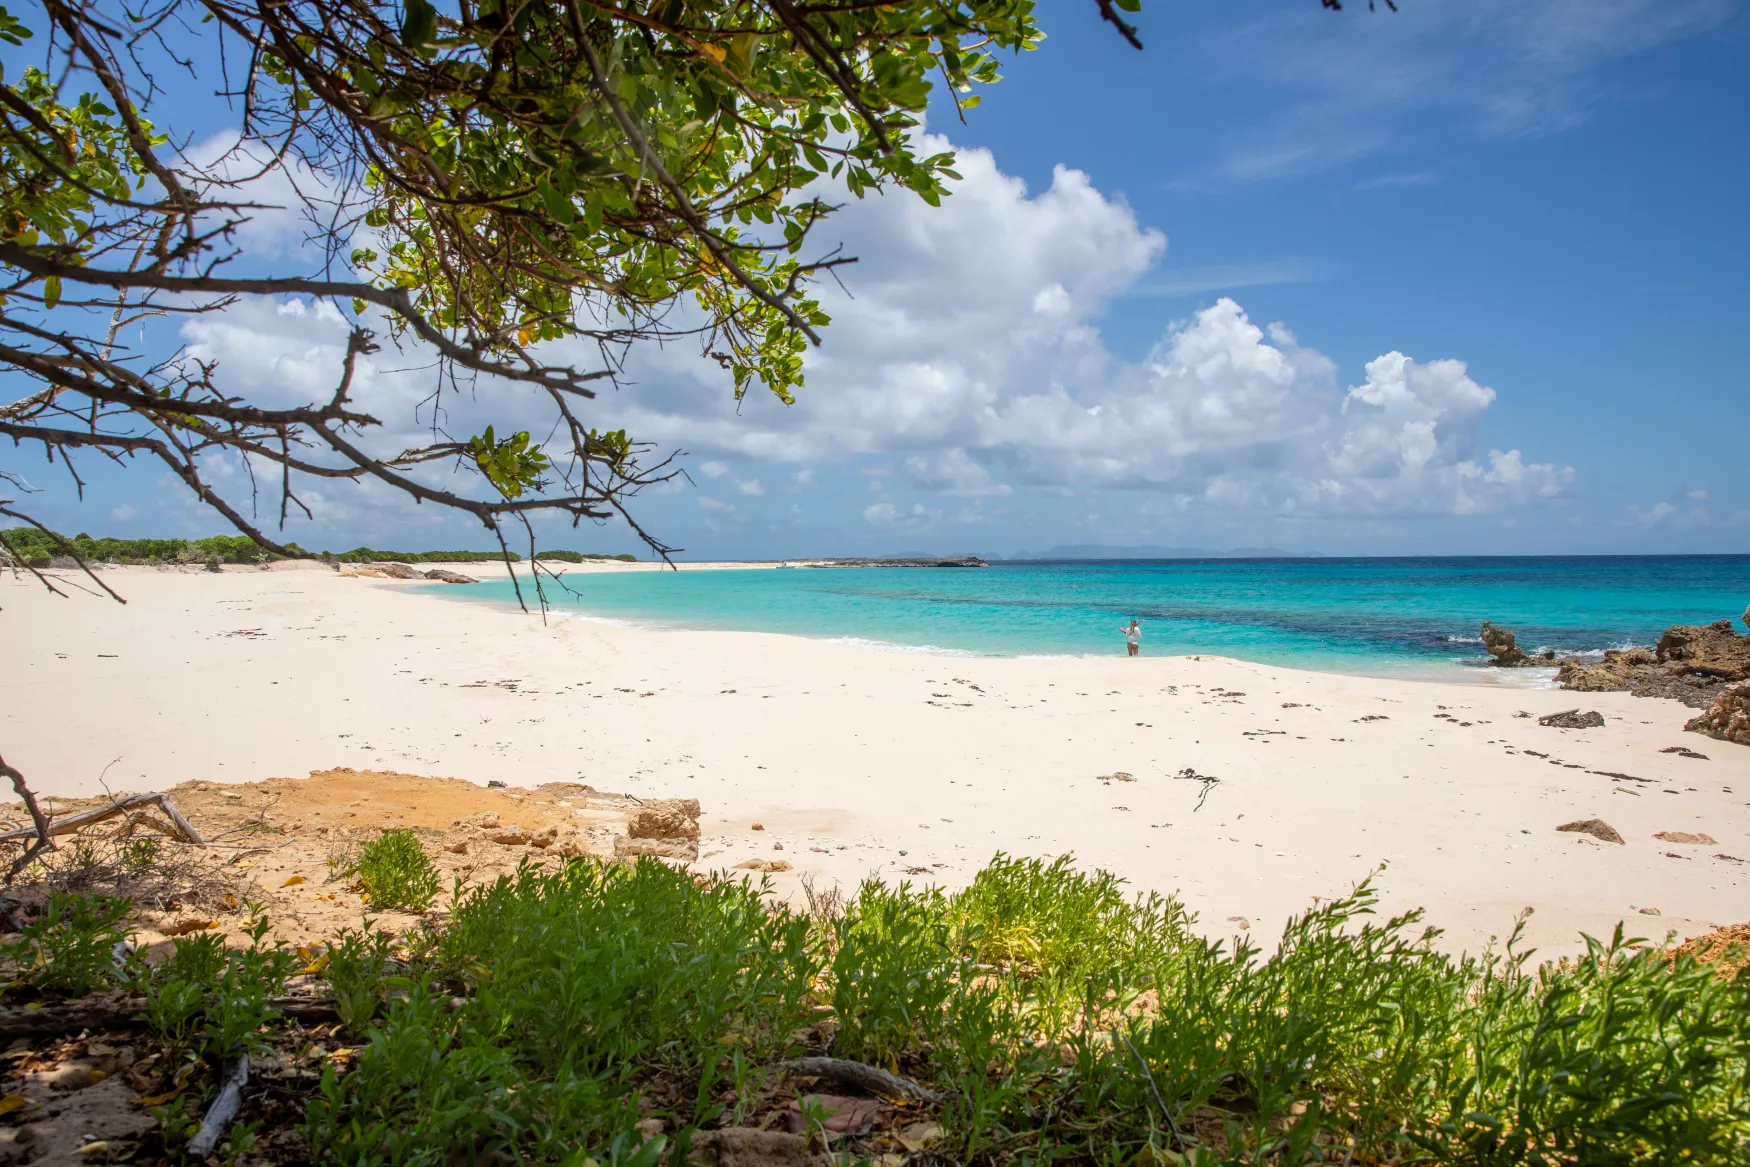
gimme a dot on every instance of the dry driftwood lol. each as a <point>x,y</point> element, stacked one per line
<point>126,1012</point>
<point>121,806</point>
<point>863,1077</point>
<point>39,830</point>
<point>223,1109</point>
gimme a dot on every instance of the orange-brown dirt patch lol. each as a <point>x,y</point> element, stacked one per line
<point>1729,947</point>
<point>282,844</point>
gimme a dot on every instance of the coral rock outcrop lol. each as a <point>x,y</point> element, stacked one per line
<point>1728,718</point>
<point>1504,647</point>
<point>1692,663</point>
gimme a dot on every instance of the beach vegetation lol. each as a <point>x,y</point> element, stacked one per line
<point>216,998</point>
<point>1041,1014</point>
<point>393,872</point>
<point>372,555</point>
<point>39,547</point>
<point>70,949</point>
<point>582,557</point>
<point>1058,1017</point>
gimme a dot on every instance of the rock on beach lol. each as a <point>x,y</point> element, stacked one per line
<point>1692,663</point>
<point>1727,719</point>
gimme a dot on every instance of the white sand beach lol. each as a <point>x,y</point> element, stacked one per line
<point>862,762</point>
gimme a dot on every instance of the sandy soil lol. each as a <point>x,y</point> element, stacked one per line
<point>860,762</point>
<point>284,843</point>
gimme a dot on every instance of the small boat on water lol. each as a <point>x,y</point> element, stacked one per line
<point>782,566</point>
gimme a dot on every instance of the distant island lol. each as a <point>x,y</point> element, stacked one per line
<point>900,561</point>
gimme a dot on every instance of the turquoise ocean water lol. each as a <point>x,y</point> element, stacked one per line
<point>1392,616</point>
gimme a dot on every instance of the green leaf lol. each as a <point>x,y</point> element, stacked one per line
<point>418,23</point>
<point>51,291</point>
<point>557,204</point>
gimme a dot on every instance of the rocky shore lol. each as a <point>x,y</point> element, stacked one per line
<point>1691,663</point>
<point>1705,666</point>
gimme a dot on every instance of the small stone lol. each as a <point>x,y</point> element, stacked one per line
<point>459,847</point>
<point>777,846</point>
<point>511,835</point>
<point>759,826</point>
<point>1650,912</point>
<point>919,1135</point>
<point>686,850</point>
<point>749,1147</point>
<point>495,784</point>
<point>676,819</point>
<point>544,837</point>
<point>840,1115</point>
<point>486,818</point>
<point>571,844</point>
<point>1573,719</point>
<point>1685,837</point>
<point>1597,828</point>
<point>773,865</point>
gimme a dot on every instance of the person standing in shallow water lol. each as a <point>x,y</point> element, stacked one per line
<point>1132,638</point>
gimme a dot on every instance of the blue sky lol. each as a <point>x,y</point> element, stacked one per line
<point>1469,278</point>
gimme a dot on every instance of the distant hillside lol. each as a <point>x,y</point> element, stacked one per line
<point>1102,551</point>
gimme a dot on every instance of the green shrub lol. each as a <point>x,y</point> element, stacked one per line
<point>358,972</point>
<point>371,555</point>
<point>215,998</point>
<point>894,970</point>
<point>1063,1020</point>
<point>394,872</point>
<point>70,950</point>
<point>581,557</point>
<point>31,543</point>
<point>577,985</point>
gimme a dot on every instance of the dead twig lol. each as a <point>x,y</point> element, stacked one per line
<point>223,1109</point>
<point>73,822</point>
<point>40,827</point>
<point>863,1077</point>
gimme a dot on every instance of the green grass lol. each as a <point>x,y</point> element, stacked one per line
<point>394,872</point>
<point>1063,1020</point>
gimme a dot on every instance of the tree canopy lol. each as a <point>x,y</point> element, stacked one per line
<point>478,181</point>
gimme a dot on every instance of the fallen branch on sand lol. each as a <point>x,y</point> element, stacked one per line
<point>39,829</point>
<point>863,1077</point>
<point>223,1109</point>
<point>181,828</point>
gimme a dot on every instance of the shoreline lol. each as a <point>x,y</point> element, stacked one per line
<point>1453,670</point>
<point>860,761</point>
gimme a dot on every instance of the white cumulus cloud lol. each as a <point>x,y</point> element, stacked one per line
<point>966,356</point>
